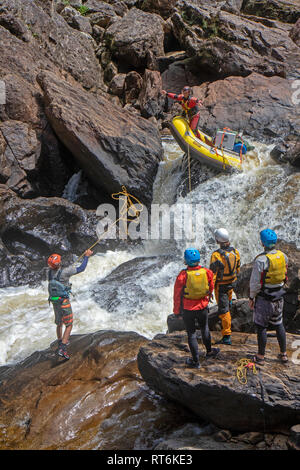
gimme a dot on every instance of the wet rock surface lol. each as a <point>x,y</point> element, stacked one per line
<point>96,400</point>
<point>133,284</point>
<point>33,229</point>
<point>268,402</point>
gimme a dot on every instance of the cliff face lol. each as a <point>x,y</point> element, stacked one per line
<point>83,79</point>
<point>244,54</point>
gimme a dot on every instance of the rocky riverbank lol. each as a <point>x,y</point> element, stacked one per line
<point>98,399</point>
<point>268,402</point>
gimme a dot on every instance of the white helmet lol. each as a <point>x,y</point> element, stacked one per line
<point>221,235</point>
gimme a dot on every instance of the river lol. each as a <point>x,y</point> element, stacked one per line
<point>265,194</point>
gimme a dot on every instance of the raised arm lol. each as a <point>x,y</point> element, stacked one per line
<point>85,260</point>
<point>173,96</point>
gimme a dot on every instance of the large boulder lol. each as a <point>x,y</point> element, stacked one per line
<point>20,62</point>
<point>59,43</point>
<point>113,147</point>
<point>229,44</point>
<point>131,38</point>
<point>30,230</point>
<point>94,401</point>
<point>284,10</point>
<point>259,106</point>
<point>134,284</point>
<point>269,401</point>
<point>19,155</point>
<point>287,151</point>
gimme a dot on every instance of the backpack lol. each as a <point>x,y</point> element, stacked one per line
<point>55,287</point>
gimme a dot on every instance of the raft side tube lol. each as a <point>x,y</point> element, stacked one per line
<point>189,143</point>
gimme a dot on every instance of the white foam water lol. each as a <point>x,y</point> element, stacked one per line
<point>265,194</point>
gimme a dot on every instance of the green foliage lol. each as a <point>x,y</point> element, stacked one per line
<point>188,19</point>
<point>83,10</point>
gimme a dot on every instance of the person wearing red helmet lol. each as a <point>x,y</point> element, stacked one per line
<point>191,106</point>
<point>59,288</point>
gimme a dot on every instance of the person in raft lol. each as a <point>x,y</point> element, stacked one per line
<point>192,292</point>
<point>191,106</point>
<point>59,288</point>
<point>268,277</point>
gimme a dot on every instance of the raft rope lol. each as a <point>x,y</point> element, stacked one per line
<point>243,366</point>
<point>189,168</point>
<point>128,209</point>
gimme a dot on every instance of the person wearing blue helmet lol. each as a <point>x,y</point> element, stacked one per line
<point>192,292</point>
<point>266,294</point>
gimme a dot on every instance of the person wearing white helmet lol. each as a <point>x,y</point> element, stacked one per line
<point>225,264</point>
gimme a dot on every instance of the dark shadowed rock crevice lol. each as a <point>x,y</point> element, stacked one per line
<point>33,229</point>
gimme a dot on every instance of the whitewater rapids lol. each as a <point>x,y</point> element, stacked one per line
<point>266,194</point>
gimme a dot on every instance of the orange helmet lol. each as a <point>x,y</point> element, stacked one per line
<point>54,261</point>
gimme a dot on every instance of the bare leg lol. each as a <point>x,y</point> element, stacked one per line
<point>59,332</point>
<point>66,335</point>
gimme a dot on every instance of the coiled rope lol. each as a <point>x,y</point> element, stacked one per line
<point>243,366</point>
<point>129,212</point>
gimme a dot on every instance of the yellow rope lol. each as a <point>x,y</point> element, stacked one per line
<point>128,209</point>
<point>189,168</point>
<point>243,365</point>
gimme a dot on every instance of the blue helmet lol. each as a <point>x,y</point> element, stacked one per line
<point>191,257</point>
<point>268,238</point>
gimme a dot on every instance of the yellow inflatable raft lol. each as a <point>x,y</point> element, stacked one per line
<point>204,149</point>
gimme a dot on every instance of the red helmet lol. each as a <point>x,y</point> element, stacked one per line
<point>54,261</point>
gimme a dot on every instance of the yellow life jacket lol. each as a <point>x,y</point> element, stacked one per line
<point>196,284</point>
<point>229,259</point>
<point>276,272</point>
